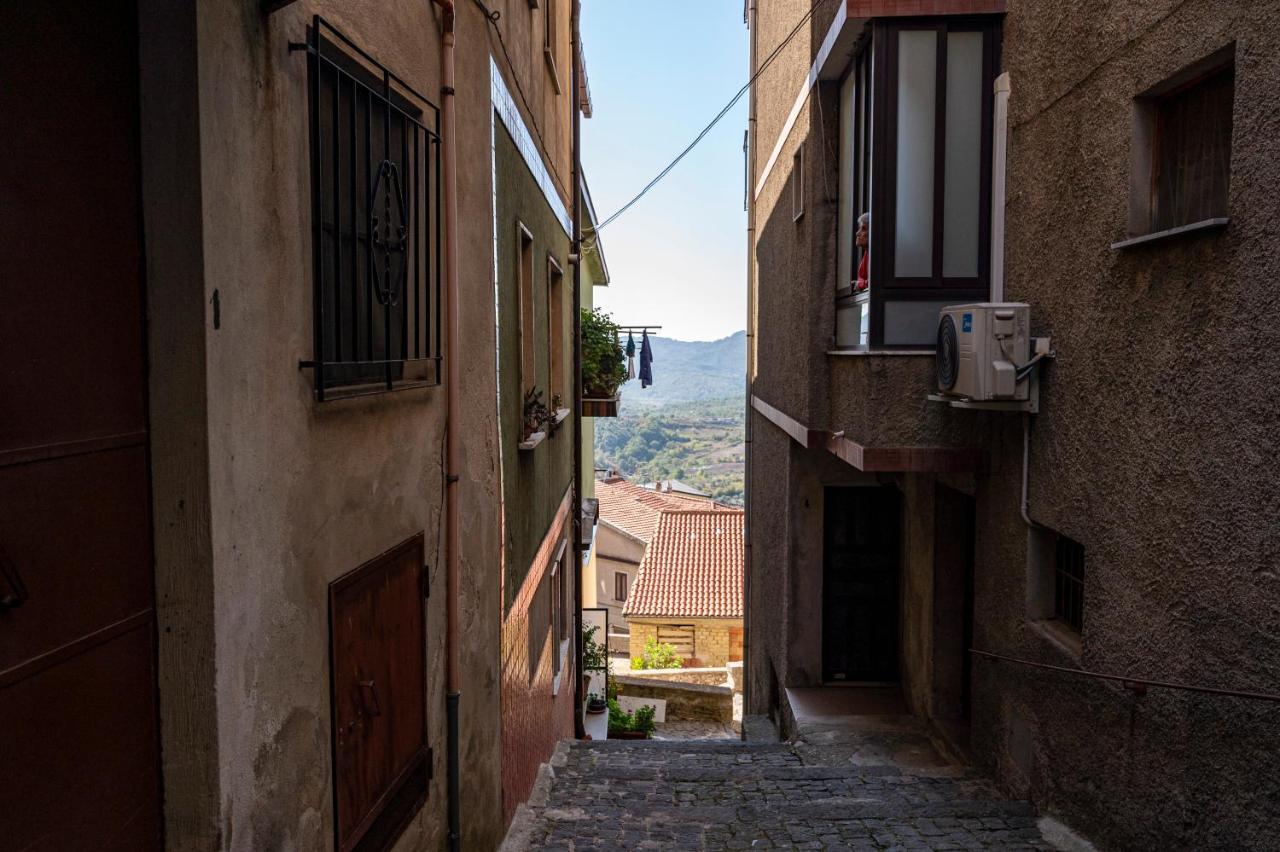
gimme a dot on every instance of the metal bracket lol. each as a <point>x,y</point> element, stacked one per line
<point>1031,405</point>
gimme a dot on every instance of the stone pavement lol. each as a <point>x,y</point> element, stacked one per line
<point>696,795</point>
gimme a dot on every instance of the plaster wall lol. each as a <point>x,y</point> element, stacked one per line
<point>298,493</point>
<point>615,552</point>
<point>1152,447</point>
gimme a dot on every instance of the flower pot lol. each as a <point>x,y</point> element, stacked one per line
<point>598,407</point>
<point>627,735</point>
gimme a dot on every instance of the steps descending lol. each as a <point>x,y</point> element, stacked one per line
<point>732,795</point>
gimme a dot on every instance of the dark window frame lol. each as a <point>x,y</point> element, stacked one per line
<point>621,586</point>
<point>885,286</point>
<point>1068,583</point>
<point>385,350</point>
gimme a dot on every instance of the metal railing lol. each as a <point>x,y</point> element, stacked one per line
<point>376,224</point>
<point>1137,685</point>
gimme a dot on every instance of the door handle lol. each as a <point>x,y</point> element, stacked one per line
<point>16,595</point>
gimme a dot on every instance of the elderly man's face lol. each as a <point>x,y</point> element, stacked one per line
<point>861,240</point>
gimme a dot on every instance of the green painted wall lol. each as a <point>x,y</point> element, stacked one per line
<point>534,481</point>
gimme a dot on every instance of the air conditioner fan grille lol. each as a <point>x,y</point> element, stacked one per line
<point>948,358</point>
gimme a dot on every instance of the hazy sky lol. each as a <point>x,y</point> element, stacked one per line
<point>659,70</point>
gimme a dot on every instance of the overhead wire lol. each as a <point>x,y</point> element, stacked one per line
<point>768,60</point>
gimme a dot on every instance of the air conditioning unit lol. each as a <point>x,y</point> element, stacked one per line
<point>984,352</point>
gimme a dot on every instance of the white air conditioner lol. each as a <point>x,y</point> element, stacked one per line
<point>984,352</point>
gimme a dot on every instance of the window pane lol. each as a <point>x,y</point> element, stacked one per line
<point>917,96</point>
<point>844,235</point>
<point>963,155</point>
<point>912,323</point>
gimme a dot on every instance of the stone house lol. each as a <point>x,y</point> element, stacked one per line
<point>688,589</point>
<point>1113,169</point>
<point>224,538</point>
<point>628,516</point>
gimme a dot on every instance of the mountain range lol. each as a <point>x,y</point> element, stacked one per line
<point>691,371</point>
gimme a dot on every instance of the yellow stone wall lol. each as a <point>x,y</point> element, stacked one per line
<point>710,637</point>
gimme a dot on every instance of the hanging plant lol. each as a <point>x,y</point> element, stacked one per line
<point>604,366</point>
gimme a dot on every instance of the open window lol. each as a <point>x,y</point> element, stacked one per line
<point>915,156</point>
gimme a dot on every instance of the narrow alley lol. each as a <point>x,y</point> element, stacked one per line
<point>861,774</point>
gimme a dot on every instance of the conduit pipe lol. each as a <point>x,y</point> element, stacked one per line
<point>1026,472</point>
<point>575,99</point>
<point>454,401</point>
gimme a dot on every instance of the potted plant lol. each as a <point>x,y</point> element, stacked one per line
<point>630,726</point>
<point>596,704</point>
<point>604,366</point>
<point>536,418</point>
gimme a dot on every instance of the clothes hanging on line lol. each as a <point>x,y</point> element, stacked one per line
<point>646,361</point>
<point>631,356</point>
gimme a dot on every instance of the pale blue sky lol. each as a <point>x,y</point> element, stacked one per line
<point>659,71</point>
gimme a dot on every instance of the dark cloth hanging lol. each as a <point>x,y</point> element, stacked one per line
<point>631,356</point>
<point>646,361</point>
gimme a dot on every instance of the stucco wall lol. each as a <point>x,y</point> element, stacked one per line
<point>615,552</point>
<point>1151,448</point>
<point>297,492</point>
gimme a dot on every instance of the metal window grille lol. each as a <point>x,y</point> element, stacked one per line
<point>1068,583</point>
<point>376,224</point>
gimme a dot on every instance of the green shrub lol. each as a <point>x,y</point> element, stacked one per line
<point>657,655</point>
<point>641,721</point>
<point>604,365</point>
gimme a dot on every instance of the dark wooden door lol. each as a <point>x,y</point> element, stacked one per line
<point>860,584</point>
<point>78,742</point>
<point>378,658</point>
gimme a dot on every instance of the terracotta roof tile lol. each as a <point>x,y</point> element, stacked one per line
<point>634,508</point>
<point>692,567</point>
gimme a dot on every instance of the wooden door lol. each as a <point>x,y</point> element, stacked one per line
<point>78,734</point>
<point>378,677</point>
<point>860,584</point>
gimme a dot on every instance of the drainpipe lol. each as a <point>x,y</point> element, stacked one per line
<point>751,368</point>
<point>1000,138</point>
<point>579,726</point>
<point>454,397</point>
<point>1026,472</point>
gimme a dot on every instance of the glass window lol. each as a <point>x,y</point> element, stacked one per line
<point>963,168</point>
<point>917,119</point>
<point>848,200</point>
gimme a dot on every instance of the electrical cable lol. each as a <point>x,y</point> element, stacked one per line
<point>746,88</point>
<point>492,17</point>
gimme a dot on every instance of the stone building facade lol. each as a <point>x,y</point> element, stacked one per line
<point>256,486</point>
<point>716,641</point>
<point>1150,548</point>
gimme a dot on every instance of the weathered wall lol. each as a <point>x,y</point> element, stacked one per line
<point>686,702</point>
<point>299,493</point>
<point>533,480</point>
<point>1149,449</point>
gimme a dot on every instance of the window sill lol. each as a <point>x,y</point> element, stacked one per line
<point>532,441</point>
<point>561,414</point>
<point>564,655</point>
<point>1172,233</point>
<point>1062,637</point>
<point>879,353</point>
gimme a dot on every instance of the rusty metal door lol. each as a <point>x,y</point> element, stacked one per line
<point>78,741</point>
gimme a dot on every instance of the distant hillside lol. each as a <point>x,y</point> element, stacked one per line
<point>691,371</point>
<point>699,443</point>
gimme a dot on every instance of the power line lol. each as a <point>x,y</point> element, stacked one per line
<point>763,65</point>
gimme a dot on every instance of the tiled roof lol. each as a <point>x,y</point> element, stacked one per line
<point>692,567</point>
<point>634,508</point>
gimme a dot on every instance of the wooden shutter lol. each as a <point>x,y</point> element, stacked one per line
<point>678,636</point>
<point>378,656</point>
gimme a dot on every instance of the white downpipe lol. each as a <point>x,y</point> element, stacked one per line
<point>999,159</point>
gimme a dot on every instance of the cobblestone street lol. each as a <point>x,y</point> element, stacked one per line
<point>733,795</point>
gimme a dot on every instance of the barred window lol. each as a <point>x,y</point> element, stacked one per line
<point>376,223</point>
<point>1068,583</point>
